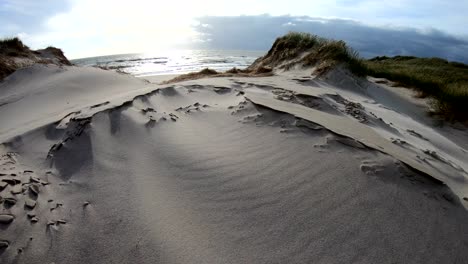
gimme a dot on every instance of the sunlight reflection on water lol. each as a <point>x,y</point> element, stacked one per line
<point>173,62</point>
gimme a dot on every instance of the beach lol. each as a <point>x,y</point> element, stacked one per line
<point>103,167</point>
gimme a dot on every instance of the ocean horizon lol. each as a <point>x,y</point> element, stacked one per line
<point>172,62</point>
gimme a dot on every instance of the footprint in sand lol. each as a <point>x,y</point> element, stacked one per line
<point>11,181</point>
<point>4,244</point>
<point>322,148</point>
<point>307,124</point>
<point>148,109</point>
<point>6,219</point>
<point>9,201</point>
<point>17,189</point>
<point>29,203</point>
<point>370,167</point>
<point>398,141</point>
<point>3,185</point>
<point>346,141</point>
<point>416,134</point>
<point>34,189</point>
<point>221,89</point>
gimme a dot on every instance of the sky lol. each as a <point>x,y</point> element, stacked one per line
<point>84,28</point>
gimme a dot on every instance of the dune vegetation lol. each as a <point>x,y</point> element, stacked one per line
<point>445,82</point>
<point>306,49</point>
<point>14,54</point>
<point>13,47</point>
<point>10,47</point>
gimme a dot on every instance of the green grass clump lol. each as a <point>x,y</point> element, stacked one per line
<point>446,82</point>
<point>13,47</point>
<point>10,47</point>
<point>334,52</point>
<point>292,44</point>
<point>309,50</point>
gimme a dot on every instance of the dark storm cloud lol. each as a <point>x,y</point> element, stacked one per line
<point>259,32</point>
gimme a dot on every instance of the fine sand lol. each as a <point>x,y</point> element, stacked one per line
<point>101,167</point>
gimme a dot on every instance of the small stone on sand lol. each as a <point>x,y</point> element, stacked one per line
<point>34,220</point>
<point>61,221</point>
<point>85,204</point>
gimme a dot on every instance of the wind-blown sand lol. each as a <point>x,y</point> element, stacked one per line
<point>100,167</point>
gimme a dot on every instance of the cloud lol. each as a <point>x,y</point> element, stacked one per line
<point>27,15</point>
<point>259,32</point>
<point>90,27</point>
<point>289,24</point>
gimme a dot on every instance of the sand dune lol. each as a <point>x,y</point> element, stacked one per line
<point>100,167</point>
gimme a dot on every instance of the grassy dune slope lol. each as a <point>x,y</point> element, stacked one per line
<point>310,50</point>
<point>15,55</point>
<point>447,82</point>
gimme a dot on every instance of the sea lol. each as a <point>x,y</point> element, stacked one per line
<point>173,62</point>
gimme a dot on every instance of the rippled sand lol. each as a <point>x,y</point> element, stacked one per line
<point>99,167</point>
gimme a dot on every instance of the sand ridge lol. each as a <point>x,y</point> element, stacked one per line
<point>227,170</point>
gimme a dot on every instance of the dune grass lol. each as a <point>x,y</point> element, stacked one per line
<point>234,72</point>
<point>10,47</point>
<point>13,47</point>
<point>309,50</point>
<point>193,76</point>
<point>446,82</point>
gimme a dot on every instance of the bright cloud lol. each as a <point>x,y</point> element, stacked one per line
<point>90,27</point>
<point>109,27</point>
